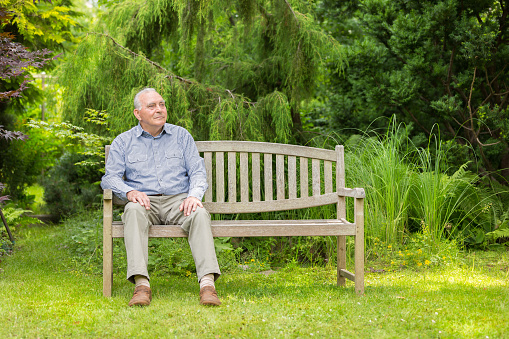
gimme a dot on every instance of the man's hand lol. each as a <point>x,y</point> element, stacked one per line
<point>189,205</point>
<point>139,197</point>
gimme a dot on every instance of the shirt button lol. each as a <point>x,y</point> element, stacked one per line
<point>160,180</point>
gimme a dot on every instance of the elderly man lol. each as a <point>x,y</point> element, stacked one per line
<point>157,168</point>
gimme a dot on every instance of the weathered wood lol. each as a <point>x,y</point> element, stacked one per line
<point>327,176</point>
<point>315,172</point>
<point>346,274</point>
<point>207,157</point>
<point>359,245</point>
<point>341,259</point>
<point>107,243</point>
<point>232,177</point>
<point>271,206</point>
<point>252,228</point>
<point>292,177</point>
<point>219,177</point>
<point>267,172</point>
<point>266,147</point>
<point>351,192</point>
<point>255,159</point>
<point>341,213</point>
<point>280,177</point>
<point>304,181</point>
<point>244,177</point>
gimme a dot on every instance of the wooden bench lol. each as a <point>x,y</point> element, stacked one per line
<point>269,174</point>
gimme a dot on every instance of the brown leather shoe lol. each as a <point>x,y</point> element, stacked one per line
<point>142,296</point>
<point>208,296</point>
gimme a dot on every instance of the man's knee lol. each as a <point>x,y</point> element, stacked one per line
<point>134,207</point>
<point>198,219</point>
<point>134,213</point>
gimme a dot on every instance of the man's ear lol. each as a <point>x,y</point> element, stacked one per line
<point>137,114</point>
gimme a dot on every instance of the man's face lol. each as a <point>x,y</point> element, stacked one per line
<point>152,114</point>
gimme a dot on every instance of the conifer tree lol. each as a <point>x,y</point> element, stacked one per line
<point>227,69</point>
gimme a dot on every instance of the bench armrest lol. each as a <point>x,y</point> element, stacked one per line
<point>107,194</point>
<point>352,192</point>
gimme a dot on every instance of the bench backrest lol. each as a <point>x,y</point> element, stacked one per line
<point>268,175</point>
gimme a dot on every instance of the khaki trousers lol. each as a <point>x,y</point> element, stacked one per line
<point>165,210</point>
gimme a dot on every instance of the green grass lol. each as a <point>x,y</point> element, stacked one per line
<point>43,294</point>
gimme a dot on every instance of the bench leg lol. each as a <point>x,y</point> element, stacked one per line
<point>107,248</point>
<point>341,259</point>
<point>359,246</point>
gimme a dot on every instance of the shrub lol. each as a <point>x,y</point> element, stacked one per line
<point>69,188</point>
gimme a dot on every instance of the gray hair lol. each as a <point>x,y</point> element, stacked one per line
<point>137,103</point>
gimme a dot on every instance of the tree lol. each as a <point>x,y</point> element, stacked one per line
<point>427,62</point>
<point>229,70</point>
<point>24,23</point>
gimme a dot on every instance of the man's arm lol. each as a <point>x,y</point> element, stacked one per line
<point>115,170</point>
<point>197,176</point>
<point>195,168</point>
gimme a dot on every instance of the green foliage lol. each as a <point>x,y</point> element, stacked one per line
<point>43,23</point>
<point>68,188</point>
<point>16,218</point>
<point>409,191</point>
<point>252,71</point>
<point>441,62</point>
<point>382,166</point>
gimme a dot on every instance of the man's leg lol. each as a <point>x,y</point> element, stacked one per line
<point>200,239</point>
<point>137,221</point>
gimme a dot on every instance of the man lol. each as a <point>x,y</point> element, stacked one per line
<point>164,182</point>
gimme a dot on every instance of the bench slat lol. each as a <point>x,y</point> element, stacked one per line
<point>219,177</point>
<point>244,177</point>
<point>267,172</point>
<point>304,180</point>
<point>207,157</point>
<point>271,206</point>
<point>253,228</point>
<point>280,176</point>
<point>292,177</point>
<point>327,176</point>
<point>315,170</point>
<point>232,177</point>
<point>266,147</point>
<point>255,158</point>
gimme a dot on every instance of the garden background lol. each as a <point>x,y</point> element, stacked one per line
<point>417,91</point>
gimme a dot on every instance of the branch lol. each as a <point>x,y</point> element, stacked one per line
<point>170,76</point>
<point>469,103</point>
<point>416,121</point>
<point>295,16</point>
<point>449,71</point>
<point>129,51</point>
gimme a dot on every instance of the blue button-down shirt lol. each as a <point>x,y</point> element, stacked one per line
<point>166,164</point>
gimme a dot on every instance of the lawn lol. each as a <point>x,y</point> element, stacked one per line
<point>44,294</point>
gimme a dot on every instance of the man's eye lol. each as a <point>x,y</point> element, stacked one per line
<point>151,106</point>
<point>162,104</point>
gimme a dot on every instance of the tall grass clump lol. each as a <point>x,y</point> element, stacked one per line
<point>416,199</point>
<point>381,166</point>
<point>443,205</point>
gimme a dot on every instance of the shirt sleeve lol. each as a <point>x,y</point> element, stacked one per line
<point>195,168</point>
<point>115,170</point>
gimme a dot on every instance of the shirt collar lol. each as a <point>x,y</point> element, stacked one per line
<point>139,131</point>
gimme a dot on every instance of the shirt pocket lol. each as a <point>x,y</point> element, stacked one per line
<point>174,158</point>
<point>137,163</point>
